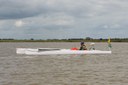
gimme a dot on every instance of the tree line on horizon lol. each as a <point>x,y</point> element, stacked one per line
<point>87,39</point>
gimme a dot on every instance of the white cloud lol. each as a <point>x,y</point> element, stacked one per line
<point>19,23</point>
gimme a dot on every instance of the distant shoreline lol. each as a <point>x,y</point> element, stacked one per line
<point>66,40</point>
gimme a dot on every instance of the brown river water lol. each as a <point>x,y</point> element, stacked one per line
<point>109,69</point>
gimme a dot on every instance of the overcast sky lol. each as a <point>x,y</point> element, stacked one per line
<point>49,19</point>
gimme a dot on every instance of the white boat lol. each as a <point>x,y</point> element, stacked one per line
<point>55,51</point>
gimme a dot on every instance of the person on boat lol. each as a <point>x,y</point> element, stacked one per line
<point>82,47</point>
<point>92,46</point>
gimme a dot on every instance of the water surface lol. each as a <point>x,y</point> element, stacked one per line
<point>63,69</point>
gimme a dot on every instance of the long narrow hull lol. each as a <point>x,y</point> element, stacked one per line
<point>48,51</point>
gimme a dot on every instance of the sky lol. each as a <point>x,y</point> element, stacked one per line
<point>63,19</point>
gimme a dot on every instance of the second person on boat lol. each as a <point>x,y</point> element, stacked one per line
<point>83,46</point>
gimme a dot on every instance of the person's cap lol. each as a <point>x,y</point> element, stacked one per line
<point>92,44</point>
<point>82,43</point>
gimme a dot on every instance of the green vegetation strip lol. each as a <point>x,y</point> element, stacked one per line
<point>66,40</point>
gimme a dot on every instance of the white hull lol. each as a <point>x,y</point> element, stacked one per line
<point>54,51</point>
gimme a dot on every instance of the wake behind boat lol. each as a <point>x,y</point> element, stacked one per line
<point>55,51</point>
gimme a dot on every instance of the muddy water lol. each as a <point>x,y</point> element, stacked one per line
<point>63,69</point>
